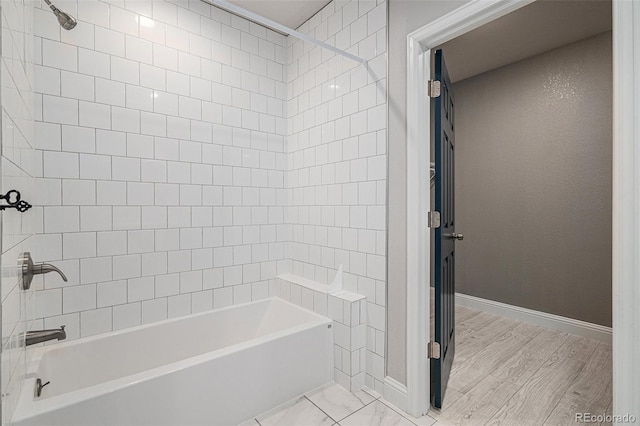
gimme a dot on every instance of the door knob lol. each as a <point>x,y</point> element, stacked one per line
<point>455,236</point>
<point>28,269</point>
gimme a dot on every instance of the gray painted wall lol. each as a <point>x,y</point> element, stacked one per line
<point>405,16</point>
<point>533,182</point>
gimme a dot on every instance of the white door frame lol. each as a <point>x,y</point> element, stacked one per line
<point>626,194</point>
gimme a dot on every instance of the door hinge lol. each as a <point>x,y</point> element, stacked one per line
<point>433,350</point>
<point>433,220</point>
<point>433,88</point>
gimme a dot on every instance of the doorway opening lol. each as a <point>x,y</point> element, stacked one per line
<point>421,45</point>
<point>533,148</point>
<point>532,192</point>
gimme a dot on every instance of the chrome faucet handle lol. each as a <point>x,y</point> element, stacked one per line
<point>29,269</point>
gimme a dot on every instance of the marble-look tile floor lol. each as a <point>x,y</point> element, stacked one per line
<point>505,373</point>
<point>335,406</point>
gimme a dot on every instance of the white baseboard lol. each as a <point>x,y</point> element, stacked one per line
<point>543,319</point>
<point>396,393</point>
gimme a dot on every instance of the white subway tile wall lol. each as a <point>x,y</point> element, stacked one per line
<point>336,175</point>
<point>187,156</point>
<point>161,135</point>
<point>349,312</point>
<point>18,169</point>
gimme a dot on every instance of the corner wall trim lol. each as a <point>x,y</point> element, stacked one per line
<point>626,198</point>
<point>543,319</point>
<point>395,392</point>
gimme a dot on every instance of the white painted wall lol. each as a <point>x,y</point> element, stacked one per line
<point>625,226</point>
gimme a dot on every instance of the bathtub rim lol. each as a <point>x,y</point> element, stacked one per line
<point>29,406</point>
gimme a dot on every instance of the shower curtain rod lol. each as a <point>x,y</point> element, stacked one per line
<point>224,4</point>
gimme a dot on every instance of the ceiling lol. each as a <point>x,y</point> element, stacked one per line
<point>291,13</point>
<point>539,27</point>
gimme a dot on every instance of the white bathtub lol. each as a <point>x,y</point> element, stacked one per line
<point>216,368</point>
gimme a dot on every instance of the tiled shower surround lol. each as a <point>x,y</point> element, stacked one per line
<point>188,156</point>
<point>162,134</point>
<point>17,171</point>
<point>337,162</point>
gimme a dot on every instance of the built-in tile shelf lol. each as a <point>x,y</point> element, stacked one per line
<point>345,295</point>
<point>305,282</point>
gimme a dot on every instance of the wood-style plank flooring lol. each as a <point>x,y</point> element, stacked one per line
<point>507,373</point>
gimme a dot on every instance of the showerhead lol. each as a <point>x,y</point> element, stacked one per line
<point>66,21</point>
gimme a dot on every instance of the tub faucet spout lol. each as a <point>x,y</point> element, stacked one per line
<point>39,336</point>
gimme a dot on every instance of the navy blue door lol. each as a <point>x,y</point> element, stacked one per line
<point>445,235</point>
